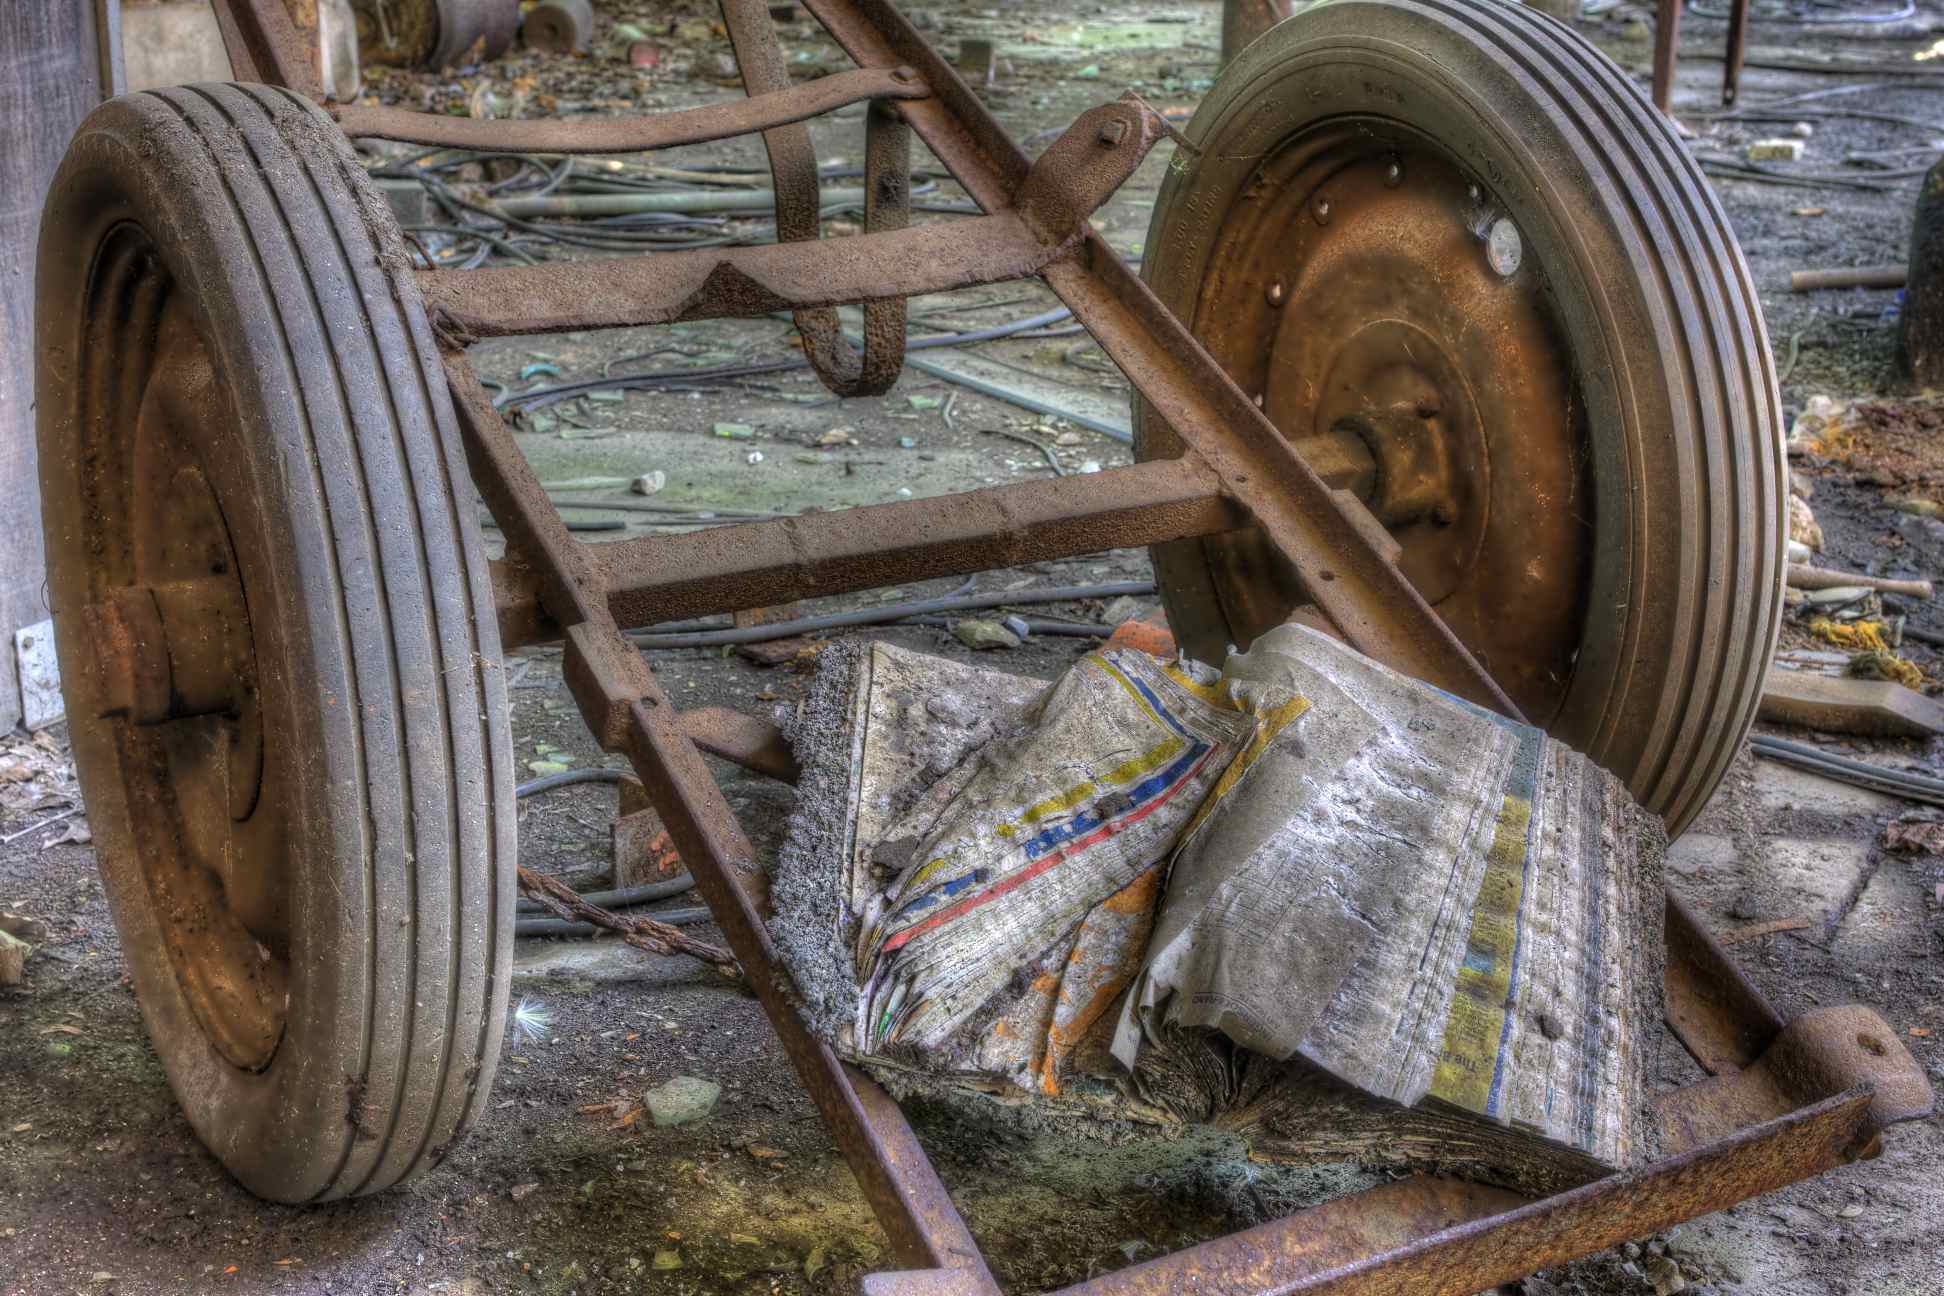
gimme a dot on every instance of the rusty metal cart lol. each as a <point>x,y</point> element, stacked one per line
<point>1442,343</point>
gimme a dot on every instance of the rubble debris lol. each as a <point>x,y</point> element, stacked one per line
<point>1914,834</point>
<point>972,899</point>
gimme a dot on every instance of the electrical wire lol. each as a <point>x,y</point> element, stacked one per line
<point>1911,787</point>
<point>625,897</point>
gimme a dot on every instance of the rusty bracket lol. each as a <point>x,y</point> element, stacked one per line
<point>1828,1050</point>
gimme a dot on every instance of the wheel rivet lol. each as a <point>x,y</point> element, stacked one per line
<point>1112,132</point>
<point>1427,408</point>
<point>1394,174</point>
<point>1445,513</point>
<point>1258,400</point>
<point>1504,248</point>
<point>1471,191</point>
<point>1321,209</point>
<point>1275,293</point>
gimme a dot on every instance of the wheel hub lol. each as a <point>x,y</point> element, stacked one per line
<point>1396,399</point>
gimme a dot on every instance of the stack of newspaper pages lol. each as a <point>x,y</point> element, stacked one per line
<point>1305,898</point>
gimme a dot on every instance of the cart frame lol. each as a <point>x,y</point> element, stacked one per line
<point>1785,1101</point>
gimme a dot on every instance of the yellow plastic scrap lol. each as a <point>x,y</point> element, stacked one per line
<point>1857,636</point>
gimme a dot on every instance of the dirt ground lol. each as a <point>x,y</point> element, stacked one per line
<point>103,1188</point>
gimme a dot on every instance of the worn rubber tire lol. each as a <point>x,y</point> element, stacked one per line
<point>334,456</point>
<point>1668,347</point>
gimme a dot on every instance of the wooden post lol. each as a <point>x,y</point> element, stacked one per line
<point>1920,332</point>
<point>51,75</point>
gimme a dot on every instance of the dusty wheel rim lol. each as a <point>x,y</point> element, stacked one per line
<point>1361,298</point>
<point>1664,617</point>
<point>178,680</point>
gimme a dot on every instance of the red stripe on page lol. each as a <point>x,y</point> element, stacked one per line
<point>1015,880</point>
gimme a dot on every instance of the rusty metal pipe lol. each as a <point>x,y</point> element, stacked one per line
<point>762,564</point>
<point>635,134</point>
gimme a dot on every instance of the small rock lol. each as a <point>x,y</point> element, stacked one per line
<point>755,456</point>
<point>1916,506</point>
<point>1775,150</point>
<point>1802,524</point>
<point>1849,1212</point>
<point>978,633</point>
<point>520,1192</point>
<point>1121,609</point>
<point>1665,1275</point>
<point>13,958</point>
<point>31,930</point>
<point>1802,130</point>
<point>649,483</point>
<point>668,1258</point>
<point>682,1101</point>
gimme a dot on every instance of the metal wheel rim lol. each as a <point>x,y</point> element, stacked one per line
<point>197,774</point>
<point>1359,244</point>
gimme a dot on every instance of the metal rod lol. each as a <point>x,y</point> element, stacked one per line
<point>627,712</point>
<point>764,564</point>
<point>738,282</point>
<point>689,201</point>
<point>635,134</point>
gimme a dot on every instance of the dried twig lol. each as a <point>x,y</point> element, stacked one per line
<point>642,933</point>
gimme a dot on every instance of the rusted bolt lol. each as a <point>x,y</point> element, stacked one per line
<point>1427,407</point>
<point>1112,132</point>
<point>904,74</point>
<point>1320,208</point>
<point>1446,513</point>
<point>1275,292</point>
